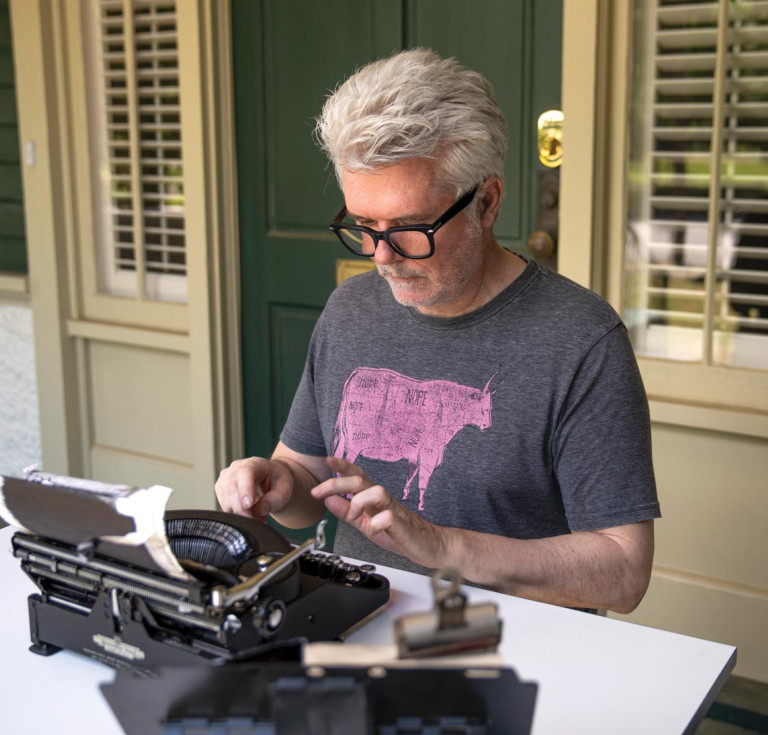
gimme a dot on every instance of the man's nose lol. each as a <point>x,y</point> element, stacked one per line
<point>384,255</point>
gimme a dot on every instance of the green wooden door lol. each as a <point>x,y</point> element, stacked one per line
<point>288,55</point>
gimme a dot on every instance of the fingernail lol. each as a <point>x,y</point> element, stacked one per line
<point>247,502</point>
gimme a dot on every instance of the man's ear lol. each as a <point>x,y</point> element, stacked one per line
<point>491,193</point>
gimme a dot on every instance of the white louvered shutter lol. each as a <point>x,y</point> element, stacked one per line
<point>134,99</point>
<point>696,277</point>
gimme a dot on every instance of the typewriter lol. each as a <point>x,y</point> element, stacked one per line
<point>128,583</point>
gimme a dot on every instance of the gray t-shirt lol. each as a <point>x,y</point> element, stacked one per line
<point>526,418</point>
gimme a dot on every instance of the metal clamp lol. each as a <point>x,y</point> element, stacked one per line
<point>453,626</point>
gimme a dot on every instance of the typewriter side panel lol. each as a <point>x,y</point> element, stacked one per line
<point>54,627</point>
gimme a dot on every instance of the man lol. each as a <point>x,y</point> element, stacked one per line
<point>462,407</point>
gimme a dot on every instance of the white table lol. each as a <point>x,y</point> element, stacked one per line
<point>595,674</point>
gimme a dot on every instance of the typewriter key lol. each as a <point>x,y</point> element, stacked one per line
<point>353,577</point>
<point>325,567</point>
<point>338,571</point>
<point>310,562</point>
<point>365,571</point>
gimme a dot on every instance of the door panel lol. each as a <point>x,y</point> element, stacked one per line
<point>290,330</point>
<point>308,48</point>
<point>288,55</point>
<point>487,36</point>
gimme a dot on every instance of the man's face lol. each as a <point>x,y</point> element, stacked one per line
<point>409,194</point>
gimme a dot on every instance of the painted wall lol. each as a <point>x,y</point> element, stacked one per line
<point>711,565</point>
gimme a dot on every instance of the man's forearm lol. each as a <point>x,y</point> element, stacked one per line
<point>608,568</point>
<point>603,569</point>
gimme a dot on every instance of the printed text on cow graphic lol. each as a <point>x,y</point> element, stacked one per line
<point>388,416</point>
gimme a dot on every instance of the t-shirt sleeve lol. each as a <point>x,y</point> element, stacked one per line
<point>302,431</point>
<point>602,444</point>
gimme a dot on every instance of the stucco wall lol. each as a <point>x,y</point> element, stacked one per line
<point>19,422</point>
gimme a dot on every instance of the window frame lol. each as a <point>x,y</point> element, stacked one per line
<point>95,304</point>
<point>700,221</point>
<point>593,218</point>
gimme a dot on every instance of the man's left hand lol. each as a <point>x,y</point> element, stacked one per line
<point>378,516</point>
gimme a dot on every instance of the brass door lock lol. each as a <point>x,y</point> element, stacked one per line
<point>549,135</point>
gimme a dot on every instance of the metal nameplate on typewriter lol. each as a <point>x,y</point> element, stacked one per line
<point>127,583</point>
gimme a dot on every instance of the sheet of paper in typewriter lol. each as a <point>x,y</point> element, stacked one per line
<point>119,521</point>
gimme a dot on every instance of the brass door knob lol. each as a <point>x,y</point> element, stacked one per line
<point>541,244</point>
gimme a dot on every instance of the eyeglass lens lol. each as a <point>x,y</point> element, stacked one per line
<point>411,243</point>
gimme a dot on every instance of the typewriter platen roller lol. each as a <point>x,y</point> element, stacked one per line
<point>191,586</point>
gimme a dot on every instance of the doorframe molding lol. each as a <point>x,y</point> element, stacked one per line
<point>589,28</point>
<point>224,277</point>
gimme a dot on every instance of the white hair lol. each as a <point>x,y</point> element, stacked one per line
<point>416,104</point>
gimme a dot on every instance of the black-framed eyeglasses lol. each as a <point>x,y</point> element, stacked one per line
<point>410,241</point>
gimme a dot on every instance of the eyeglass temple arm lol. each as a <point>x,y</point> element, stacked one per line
<point>456,208</point>
<point>340,216</point>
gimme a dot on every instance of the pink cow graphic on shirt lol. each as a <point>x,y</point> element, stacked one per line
<point>387,416</point>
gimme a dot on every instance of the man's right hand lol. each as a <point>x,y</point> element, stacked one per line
<point>254,487</point>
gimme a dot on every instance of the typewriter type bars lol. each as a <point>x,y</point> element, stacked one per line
<point>217,586</point>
